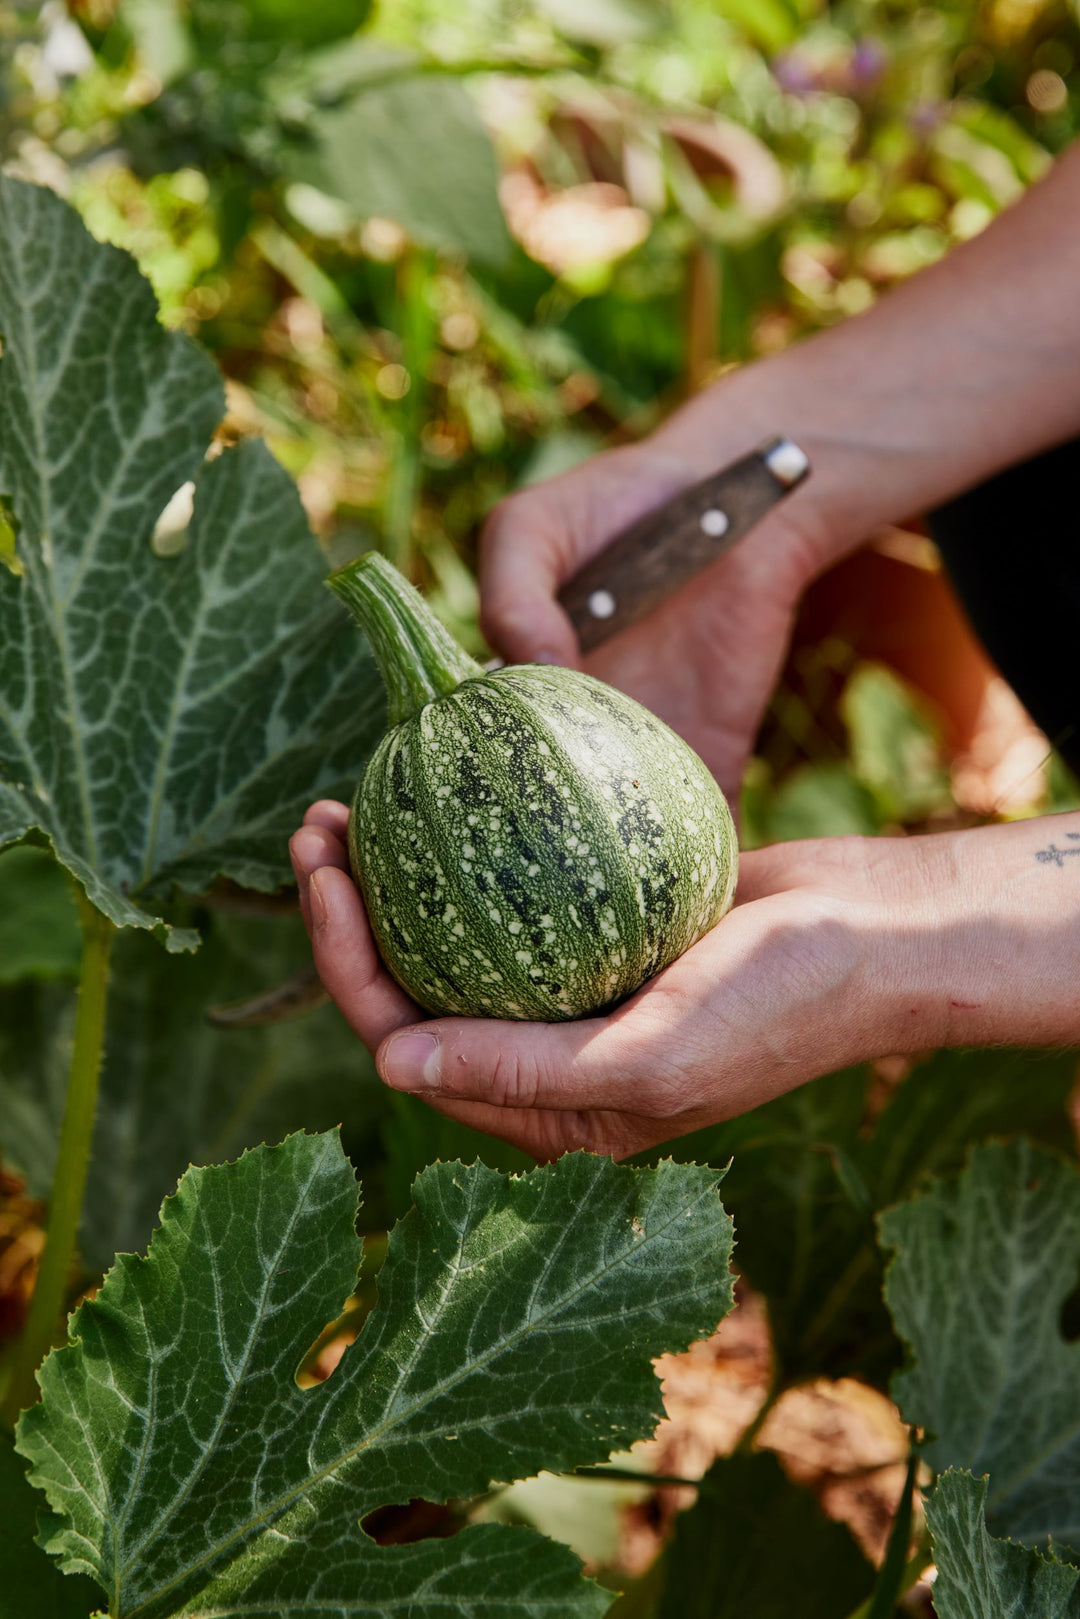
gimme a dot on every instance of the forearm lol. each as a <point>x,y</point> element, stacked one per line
<point>985,948</point>
<point>969,367</point>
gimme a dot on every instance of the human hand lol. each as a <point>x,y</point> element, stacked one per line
<point>838,950</point>
<point>964,369</point>
<point>706,661</point>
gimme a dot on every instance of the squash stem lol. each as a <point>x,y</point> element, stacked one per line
<point>43,1325</point>
<point>418,659</point>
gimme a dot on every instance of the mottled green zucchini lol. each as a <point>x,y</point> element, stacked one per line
<point>530,843</point>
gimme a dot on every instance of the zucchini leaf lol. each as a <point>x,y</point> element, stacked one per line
<point>164,718</point>
<point>825,800</point>
<point>723,1562</point>
<point>517,1322</point>
<point>983,1264</point>
<point>810,1168</point>
<point>895,745</point>
<point>979,1577</point>
<point>413,149</point>
<point>174,1090</point>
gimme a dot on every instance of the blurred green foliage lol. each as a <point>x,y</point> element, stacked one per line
<point>312,188</point>
<point>440,250</point>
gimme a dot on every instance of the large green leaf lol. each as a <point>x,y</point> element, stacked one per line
<point>517,1322</point>
<point>983,1263</point>
<point>303,22</point>
<point>895,744</point>
<point>811,1168</point>
<point>979,1577</point>
<point>756,1544</point>
<point>163,718</point>
<point>226,49</point>
<point>32,1587</point>
<point>413,149</point>
<point>822,801</point>
<point>174,1090</point>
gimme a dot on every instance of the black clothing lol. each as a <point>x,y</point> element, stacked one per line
<point>1012,548</point>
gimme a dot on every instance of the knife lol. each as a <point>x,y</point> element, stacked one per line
<point>648,561</point>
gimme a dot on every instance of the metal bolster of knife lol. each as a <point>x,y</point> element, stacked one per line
<point>651,559</point>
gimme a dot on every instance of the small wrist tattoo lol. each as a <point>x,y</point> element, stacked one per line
<point>1052,855</point>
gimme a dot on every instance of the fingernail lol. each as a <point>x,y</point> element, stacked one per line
<point>304,838</point>
<point>317,901</point>
<point>411,1063</point>
<point>545,655</point>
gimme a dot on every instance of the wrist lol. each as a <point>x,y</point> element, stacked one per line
<point>795,394</point>
<point>802,535</point>
<point>978,942</point>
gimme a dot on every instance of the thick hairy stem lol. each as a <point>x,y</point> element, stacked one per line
<point>72,1160</point>
<point>418,659</point>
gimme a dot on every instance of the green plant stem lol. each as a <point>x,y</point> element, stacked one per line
<point>896,1572</point>
<point>418,659</point>
<point>748,1438</point>
<point>72,1161</point>
<point>629,1475</point>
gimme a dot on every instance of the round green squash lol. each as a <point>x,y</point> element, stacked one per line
<point>530,843</point>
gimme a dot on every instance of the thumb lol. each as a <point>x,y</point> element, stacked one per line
<point>538,539</point>
<point>525,557</point>
<point>595,1063</point>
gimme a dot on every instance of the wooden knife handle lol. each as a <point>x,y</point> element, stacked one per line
<point>650,560</point>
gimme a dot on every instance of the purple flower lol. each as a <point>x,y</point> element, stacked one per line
<point>795,74</point>
<point>868,62</point>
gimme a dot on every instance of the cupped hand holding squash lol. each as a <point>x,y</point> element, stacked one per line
<point>715,1033</point>
<point>837,951</point>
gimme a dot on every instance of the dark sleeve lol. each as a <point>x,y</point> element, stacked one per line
<point>1012,548</point>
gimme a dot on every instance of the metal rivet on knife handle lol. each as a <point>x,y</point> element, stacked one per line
<point>650,560</point>
<point>787,462</point>
<point>602,604</point>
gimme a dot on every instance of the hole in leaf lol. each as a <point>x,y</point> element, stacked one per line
<point>8,533</point>
<point>416,1520</point>
<point>320,1361</point>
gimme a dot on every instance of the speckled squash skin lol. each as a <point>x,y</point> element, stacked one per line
<point>535,845</point>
